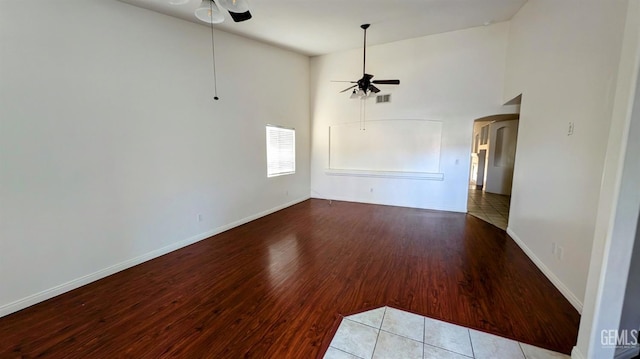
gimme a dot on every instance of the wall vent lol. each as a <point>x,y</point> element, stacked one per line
<point>383,98</point>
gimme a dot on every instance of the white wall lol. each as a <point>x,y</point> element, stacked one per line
<point>111,144</point>
<point>611,270</point>
<point>454,78</point>
<point>563,57</point>
<point>618,208</point>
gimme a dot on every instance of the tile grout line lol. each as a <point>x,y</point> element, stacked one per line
<point>424,333</point>
<point>340,350</point>
<point>450,351</point>
<point>522,350</point>
<point>402,336</point>
<point>423,340</point>
<point>366,325</point>
<point>379,330</point>
<point>425,343</point>
<point>473,352</point>
<point>353,321</point>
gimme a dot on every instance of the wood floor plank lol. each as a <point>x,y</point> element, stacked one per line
<point>276,287</point>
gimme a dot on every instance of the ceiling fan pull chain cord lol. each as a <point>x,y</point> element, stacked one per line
<point>213,57</point>
<point>360,114</point>
<point>364,114</point>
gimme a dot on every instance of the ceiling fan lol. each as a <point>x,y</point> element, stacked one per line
<point>366,86</point>
<point>209,12</point>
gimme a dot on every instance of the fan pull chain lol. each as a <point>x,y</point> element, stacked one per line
<point>364,113</point>
<point>360,114</point>
<point>213,57</point>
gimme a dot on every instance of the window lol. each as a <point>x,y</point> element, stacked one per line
<point>281,151</point>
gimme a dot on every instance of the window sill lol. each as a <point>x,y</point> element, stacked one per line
<point>280,174</point>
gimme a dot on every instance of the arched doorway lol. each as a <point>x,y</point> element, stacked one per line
<point>491,173</point>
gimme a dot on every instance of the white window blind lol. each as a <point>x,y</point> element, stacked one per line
<point>281,151</point>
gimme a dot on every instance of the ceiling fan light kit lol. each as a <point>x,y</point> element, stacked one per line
<point>209,12</point>
<point>237,6</point>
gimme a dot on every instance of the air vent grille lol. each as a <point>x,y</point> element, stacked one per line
<point>383,98</point>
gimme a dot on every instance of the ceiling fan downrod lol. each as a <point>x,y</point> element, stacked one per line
<point>364,56</point>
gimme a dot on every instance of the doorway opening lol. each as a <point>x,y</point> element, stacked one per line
<point>493,153</point>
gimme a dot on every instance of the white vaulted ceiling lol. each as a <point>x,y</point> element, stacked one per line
<point>315,27</point>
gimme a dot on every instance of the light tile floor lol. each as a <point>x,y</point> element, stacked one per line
<point>389,333</point>
<point>490,207</point>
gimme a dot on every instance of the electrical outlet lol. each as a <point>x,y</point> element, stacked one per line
<point>199,217</point>
<point>371,190</point>
<point>560,253</point>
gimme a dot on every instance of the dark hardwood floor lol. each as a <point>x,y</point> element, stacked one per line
<point>275,287</point>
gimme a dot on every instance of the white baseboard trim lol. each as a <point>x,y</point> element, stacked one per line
<point>577,354</point>
<point>547,272</point>
<point>627,353</point>
<point>381,203</point>
<point>79,282</point>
